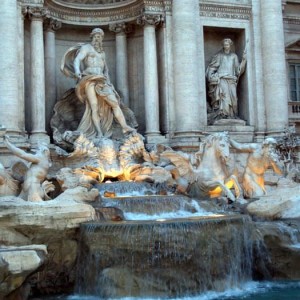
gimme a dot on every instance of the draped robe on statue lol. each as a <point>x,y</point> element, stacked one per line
<point>222,75</point>
<point>103,88</point>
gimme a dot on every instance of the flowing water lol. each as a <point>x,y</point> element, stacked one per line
<point>170,248</point>
<point>164,258</point>
<point>249,291</point>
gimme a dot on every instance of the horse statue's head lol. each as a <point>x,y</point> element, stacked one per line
<point>217,142</point>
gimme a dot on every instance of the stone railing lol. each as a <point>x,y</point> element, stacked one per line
<point>294,110</point>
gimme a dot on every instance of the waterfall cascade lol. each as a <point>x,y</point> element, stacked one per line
<point>162,257</point>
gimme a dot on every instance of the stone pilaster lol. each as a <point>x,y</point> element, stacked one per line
<point>150,73</point>
<point>9,68</point>
<point>186,67</point>
<point>121,30</point>
<point>274,66</point>
<point>38,107</point>
<point>50,26</point>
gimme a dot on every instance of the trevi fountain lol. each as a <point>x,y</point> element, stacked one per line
<point>135,164</point>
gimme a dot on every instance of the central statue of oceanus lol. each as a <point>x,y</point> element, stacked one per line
<point>87,64</point>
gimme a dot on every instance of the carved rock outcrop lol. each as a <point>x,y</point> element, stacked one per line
<point>17,263</point>
<point>53,223</point>
<point>280,203</point>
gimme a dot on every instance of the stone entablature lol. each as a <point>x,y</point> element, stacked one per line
<point>99,12</point>
<point>92,2</point>
<point>227,11</point>
<point>32,2</point>
<point>95,16</point>
<point>291,20</point>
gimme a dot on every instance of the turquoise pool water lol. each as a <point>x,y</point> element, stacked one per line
<point>250,291</point>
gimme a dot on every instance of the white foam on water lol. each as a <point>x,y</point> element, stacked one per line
<point>296,246</point>
<point>200,212</point>
<point>141,192</point>
<point>165,215</point>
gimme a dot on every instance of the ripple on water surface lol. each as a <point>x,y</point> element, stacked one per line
<point>250,291</point>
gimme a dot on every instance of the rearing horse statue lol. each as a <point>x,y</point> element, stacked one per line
<point>210,175</point>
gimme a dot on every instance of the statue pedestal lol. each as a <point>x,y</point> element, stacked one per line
<point>187,141</point>
<point>230,122</point>
<point>237,130</point>
<point>156,139</point>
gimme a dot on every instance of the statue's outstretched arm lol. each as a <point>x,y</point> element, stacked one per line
<point>19,152</point>
<point>243,147</point>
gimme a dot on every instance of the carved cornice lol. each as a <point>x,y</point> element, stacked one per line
<point>150,19</point>
<point>38,13</point>
<point>98,15</point>
<point>154,6</point>
<point>121,27</point>
<point>90,2</point>
<point>32,2</point>
<point>227,11</point>
<point>103,12</point>
<point>51,24</point>
<point>291,20</point>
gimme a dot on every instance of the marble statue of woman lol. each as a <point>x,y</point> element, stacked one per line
<point>222,74</point>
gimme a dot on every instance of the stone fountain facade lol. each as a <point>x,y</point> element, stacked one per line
<point>146,44</point>
<point>162,77</point>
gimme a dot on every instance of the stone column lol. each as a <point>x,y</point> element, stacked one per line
<point>22,11</point>
<point>121,30</point>
<point>38,109</point>
<point>150,73</point>
<point>274,66</point>
<point>50,26</point>
<point>9,67</point>
<point>186,67</point>
<point>257,63</point>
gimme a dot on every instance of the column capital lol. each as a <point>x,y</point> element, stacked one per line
<point>51,24</point>
<point>150,19</point>
<point>37,13</point>
<point>24,11</point>
<point>121,27</point>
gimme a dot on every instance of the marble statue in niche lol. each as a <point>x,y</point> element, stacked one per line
<point>223,74</point>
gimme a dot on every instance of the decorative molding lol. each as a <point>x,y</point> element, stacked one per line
<point>37,13</point>
<point>225,11</point>
<point>121,28</point>
<point>24,11</point>
<point>154,6</point>
<point>32,2</point>
<point>150,19</point>
<point>291,20</point>
<point>91,2</point>
<point>51,24</point>
<point>99,15</point>
<point>293,46</point>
